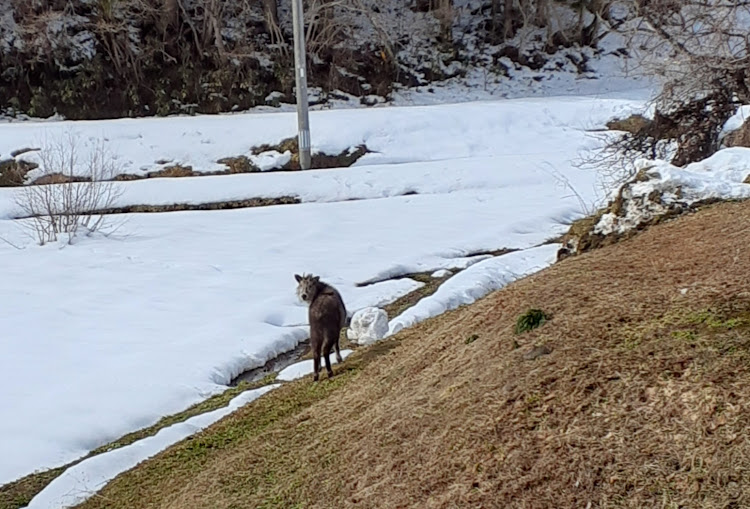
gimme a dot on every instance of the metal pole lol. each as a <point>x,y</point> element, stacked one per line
<point>300,73</point>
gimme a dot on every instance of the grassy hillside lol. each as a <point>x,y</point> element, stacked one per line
<point>640,400</point>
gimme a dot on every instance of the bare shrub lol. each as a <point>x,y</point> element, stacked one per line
<point>701,51</point>
<point>68,208</point>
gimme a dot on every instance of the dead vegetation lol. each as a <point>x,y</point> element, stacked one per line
<point>14,172</point>
<point>221,205</point>
<point>320,160</point>
<point>160,57</point>
<point>63,204</point>
<point>639,399</point>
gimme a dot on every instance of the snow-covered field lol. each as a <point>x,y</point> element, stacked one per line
<point>108,335</point>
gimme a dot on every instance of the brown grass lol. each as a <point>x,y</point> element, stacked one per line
<point>58,178</point>
<point>641,401</point>
<point>318,161</point>
<point>219,205</point>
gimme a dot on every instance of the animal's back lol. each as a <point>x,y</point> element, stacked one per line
<point>328,310</point>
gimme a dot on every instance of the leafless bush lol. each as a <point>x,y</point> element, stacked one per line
<point>698,46</point>
<point>81,186</point>
<point>615,161</point>
<point>701,51</point>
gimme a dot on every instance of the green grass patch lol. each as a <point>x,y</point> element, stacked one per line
<point>471,339</point>
<point>530,320</point>
<point>688,336</point>
<point>274,478</point>
<point>726,331</point>
<point>19,493</point>
<point>714,319</point>
<point>431,284</point>
<point>212,403</point>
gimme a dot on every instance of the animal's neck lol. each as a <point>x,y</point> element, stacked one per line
<point>319,289</point>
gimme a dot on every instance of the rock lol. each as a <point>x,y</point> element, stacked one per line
<point>371,100</point>
<point>368,326</point>
<point>535,353</point>
<point>274,98</point>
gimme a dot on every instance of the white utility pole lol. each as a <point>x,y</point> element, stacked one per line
<point>300,74</point>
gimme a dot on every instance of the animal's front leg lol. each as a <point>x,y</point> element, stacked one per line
<point>316,365</point>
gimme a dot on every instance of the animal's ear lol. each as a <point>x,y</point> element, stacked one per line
<point>298,277</point>
<point>316,279</point>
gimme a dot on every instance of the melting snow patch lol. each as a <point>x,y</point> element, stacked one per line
<point>306,367</point>
<point>665,187</point>
<point>441,273</point>
<point>80,482</point>
<point>475,282</point>
<point>271,159</point>
<point>735,121</point>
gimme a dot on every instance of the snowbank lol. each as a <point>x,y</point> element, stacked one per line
<point>306,367</point>
<point>476,282</point>
<point>661,188</point>
<point>736,121</point>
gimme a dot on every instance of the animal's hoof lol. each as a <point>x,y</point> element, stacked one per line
<point>339,359</point>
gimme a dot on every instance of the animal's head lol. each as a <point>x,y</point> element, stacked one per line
<point>306,286</point>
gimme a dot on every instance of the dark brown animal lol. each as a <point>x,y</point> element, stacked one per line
<point>327,316</point>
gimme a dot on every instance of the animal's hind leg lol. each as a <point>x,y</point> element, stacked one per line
<point>338,353</point>
<point>328,364</point>
<point>316,341</point>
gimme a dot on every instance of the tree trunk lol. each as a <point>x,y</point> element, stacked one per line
<point>508,19</point>
<point>542,13</point>
<point>445,15</point>
<point>271,10</point>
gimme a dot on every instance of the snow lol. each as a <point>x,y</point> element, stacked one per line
<point>368,325</point>
<point>118,332</point>
<point>82,481</point>
<point>394,135</point>
<point>441,273</point>
<point>306,367</point>
<point>271,159</point>
<point>475,282</point>
<point>720,176</point>
<point>735,121</point>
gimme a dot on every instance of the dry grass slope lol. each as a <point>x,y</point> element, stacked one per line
<point>641,402</point>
